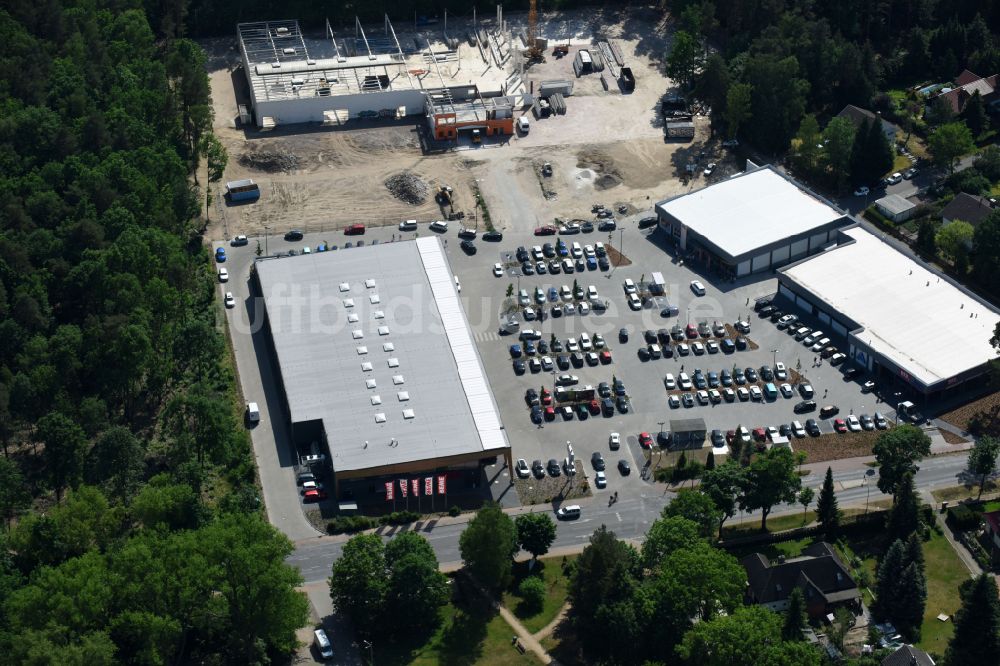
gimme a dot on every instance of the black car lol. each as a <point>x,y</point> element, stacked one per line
<point>766,373</point>
<point>536,414</point>
<point>519,367</point>
<point>851,373</point>
<point>577,359</point>
<point>587,227</point>
<point>604,390</point>
<point>293,235</point>
<point>624,468</point>
<point>762,303</point>
<point>766,311</point>
<point>805,406</point>
<point>521,254</point>
<point>553,467</point>
<point>622,405</point>
<point>582,412</point>
<point>527,268</point>
<point>741,343</point>
<point>607,407</point>
<point>607,225</point>
<point>468,246</point>
<point>556,346</point>
<point>548,250</point>
<point>597,460</point>
<point>643,353</point>
<point>728,346</point>
<point>751,375</point>
<point>493,236</point>
<point>619,387</point>
<point>776,315</point>
<point>543,347</point>
<point>538,469</point>
<point>647,222</point>
<point>650,336</point>
<point>828,411</point>
<point>563,362</point>
<point>622,335</point>
<point>812,427</point>
<point>603,263</point>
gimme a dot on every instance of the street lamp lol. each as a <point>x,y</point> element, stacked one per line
<point>867,482</point>
<point>265,238</point>
<point>774,357</point>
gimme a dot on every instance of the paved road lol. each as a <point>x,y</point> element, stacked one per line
<point>631,517</point>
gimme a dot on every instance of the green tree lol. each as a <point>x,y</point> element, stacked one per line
<point>912,599</point>
<point>838,139</point>
<point>739,108</point>
<point>807,145</point>
<point>14,495</point>
<point>954,239</point>
<point>805,498</point>
<point>977,624</point>
<point>65,447</point>
<point>116,462</point>
<point>709,462</point>
<point>897,452</point>
<point>416,589</point>
<point>666,535</point>
<point>988,163</point>
<point>949,142</point>
<point>827,511</point>
<point>749,635</point>
<point>871,153</point>
<point>358,585</point>
<point>927,237</point>
<point>796,620</point>
<point>723,485</point>
<point>682,60</point>
<point>532,591</point>
<point>713,84</point>
<point>535,533</point>
<point>697,507</point>
<point>216,157</point>
<point>974,115</point>
<point>488,546</point>
<point>904,518</point>
<point>982,459</point>
<point>167,505</point>
<point>771,479</point>
<point>890,570</point>
<point>985,259</point>
<point>778,100</point>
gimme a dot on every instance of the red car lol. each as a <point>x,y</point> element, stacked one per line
<point>354,230</point>
<point>645,441</point>
<point>839,425</point>
<point>313,495</point>
<point>550,413</point>
<point>594,407</point>
<point>546,397</point>
<point>547,230</point>
<point>730,436</point>
<point>605,357</point>
<point>759,434</point>
<point>691,331</point>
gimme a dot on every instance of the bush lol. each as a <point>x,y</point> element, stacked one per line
<point>963,518</point>
<point>532,592</point>
<point>400,518</point>
<point>350,524</point>
<point>454,511</point>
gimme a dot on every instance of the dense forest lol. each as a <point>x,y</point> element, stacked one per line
<point>133,528</point>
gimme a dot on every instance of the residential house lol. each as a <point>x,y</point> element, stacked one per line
<point>896,208</point>
<point>857,115</point>
<point>968,208</point>
<point>825,582</point>
<point>965,85</point>
<point>908,655</point>
<point>993,527</point>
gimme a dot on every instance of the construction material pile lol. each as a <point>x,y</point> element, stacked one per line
<point>407,187</point>
<point>271,161</point>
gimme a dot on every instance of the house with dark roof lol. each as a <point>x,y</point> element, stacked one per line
<point>857,115</point>
<point>992,520</point>
<point>908,655</point>
<point>968,208</point>
<point>825,582</point>
<point>968,83</point>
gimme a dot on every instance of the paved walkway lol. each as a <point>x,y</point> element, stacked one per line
<point>547,630</point>
<point>525,637</point>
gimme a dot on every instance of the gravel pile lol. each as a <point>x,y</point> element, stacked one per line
<point>269,161</point>
<point>407,187</point>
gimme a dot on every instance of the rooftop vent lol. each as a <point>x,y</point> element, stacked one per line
<point>370,283</point>
<point>352,318</point>
<point>397,379</point>
<point>362,350</point>
<point>366,367</point>
<point>378,314</point>
<point>403,396</point>
<point>383,330</point>
<point>370,383</point>
<point>407,413</point>
<point>358,334</point>
<point>288,51</point>
<point>344,286</point>
<point>393,362</point>
<point>376,400</point>
<point>388,347</point>
<point>380,418</point>
<point>348,302</point>
<point>374,299</point>
<point>281,31</point>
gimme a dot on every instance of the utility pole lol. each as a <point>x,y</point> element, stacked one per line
<point>265,239</point>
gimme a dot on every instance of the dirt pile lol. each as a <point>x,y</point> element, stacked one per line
<point>407,187</point>
<point>605,171</point>
<point>271,161</point>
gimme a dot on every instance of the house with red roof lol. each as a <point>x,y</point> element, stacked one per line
<point>993,527</point>
<point>968,83</point>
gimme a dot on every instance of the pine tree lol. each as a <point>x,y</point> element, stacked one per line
<point>890,569</point>
<point>826,507</point>
<point>795,617</point>
<point>710,462</point>
<point>974,114</point>
<point>977,624</point>
<point>911,599</point>
<point>904,519</point>
<point>915,551</point>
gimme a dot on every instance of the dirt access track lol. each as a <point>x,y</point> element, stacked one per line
<point>608,147</point>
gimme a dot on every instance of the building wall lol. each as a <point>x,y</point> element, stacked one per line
<point>311,109</point>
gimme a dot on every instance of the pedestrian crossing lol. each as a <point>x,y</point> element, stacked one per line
<point>486,336</point>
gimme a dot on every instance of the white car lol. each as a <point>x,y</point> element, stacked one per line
<point>772,432</point>
<point>698,348</point>
<point>673,401</point>
<point>498,270</point>
<point>811,339</point>
<point>584,308</point>
<point>522,468</point>
<point>572,345</point>
<point>742,393</point>
<point>786,390</point>
<point>780,371</point>
<point>615,441</point>
<point>569,309</point>
<point>547,363</point>
<point>630,287</point>
<point>703,397</point>
<point>592,293</point>
<point>567,380</point>
<point>894,179</point>
<point>585,343</point>
<point>798,430</point>
<point>755,393</point>
<point>529,314</point>
<point>588,251</point>
<point>223,275</point>
<point>709,169</point>
<point>634,302</point>
<point>669,382</point>
<point>853,424</point>
<point>684,381</point>
<point>820,344</point>
<point>566,293</point>
<point>230,300</point>
<point>600,480</point>
<point>861,191</point>
<point>697,287</point>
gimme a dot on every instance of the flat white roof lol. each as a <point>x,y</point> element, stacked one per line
<point>910,315</point>
<point>403,382</point>
<point>752,210</point>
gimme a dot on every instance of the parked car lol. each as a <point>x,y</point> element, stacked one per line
<point>623,468</point>
<point>220,254</point>
<point>570,512</point>
<point>828,410</point>
<point>354,230</point>
<point>293,235</point>
<point>805,406</point>
<point>522,468</point>
<point>697,287</point>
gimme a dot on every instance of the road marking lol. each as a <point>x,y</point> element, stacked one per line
<point>618,516</point>
<point>486,336</point>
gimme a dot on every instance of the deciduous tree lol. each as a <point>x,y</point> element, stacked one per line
<point>749,635</point>
<point>65,448</point>
<point>771,479</point>
<point>977,624</point>
<point>949,142</point>
<point>897,452</point>
<point>488,545</point>
<point>697,507</point>
<point>358,585</point>
<point>535,533</point>
<point>739,108</point>
<point>667,535</point>
<point>723,485</point>
<point>953,239</point>
<point>983,459</point>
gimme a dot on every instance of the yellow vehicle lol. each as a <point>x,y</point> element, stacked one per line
<point>477,137</point>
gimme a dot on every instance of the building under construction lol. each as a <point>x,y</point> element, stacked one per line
<point>379,74</point>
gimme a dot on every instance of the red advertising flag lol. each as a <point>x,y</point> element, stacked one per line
<point>388,491</point>
<point>415,487</point>
<point>442,488</point>
<point>429,485</point>
<point>402,487</point>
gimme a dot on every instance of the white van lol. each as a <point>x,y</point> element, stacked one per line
<point>577,250</point>
<point>253,412</point>
<point>439,225</point>
<point>600,250</point>
<point>408,225</point>
<point>323,646</point>
<point>523,124</point>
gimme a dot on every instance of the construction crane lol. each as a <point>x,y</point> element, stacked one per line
<point>534,53</point>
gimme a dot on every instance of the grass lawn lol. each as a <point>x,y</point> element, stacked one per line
<point>556,583</point>
<point>945,572</point>
<point>901,163</point>
<point>471,633</point>
<point>964,492</point>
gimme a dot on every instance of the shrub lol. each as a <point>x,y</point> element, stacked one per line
<point>454,511</point>
<point>963,518</point>
<point>532,592</point>
<point>400,518</point>
<point>350,524</point>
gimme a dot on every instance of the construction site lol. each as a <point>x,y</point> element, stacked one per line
<point>329,120</point>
